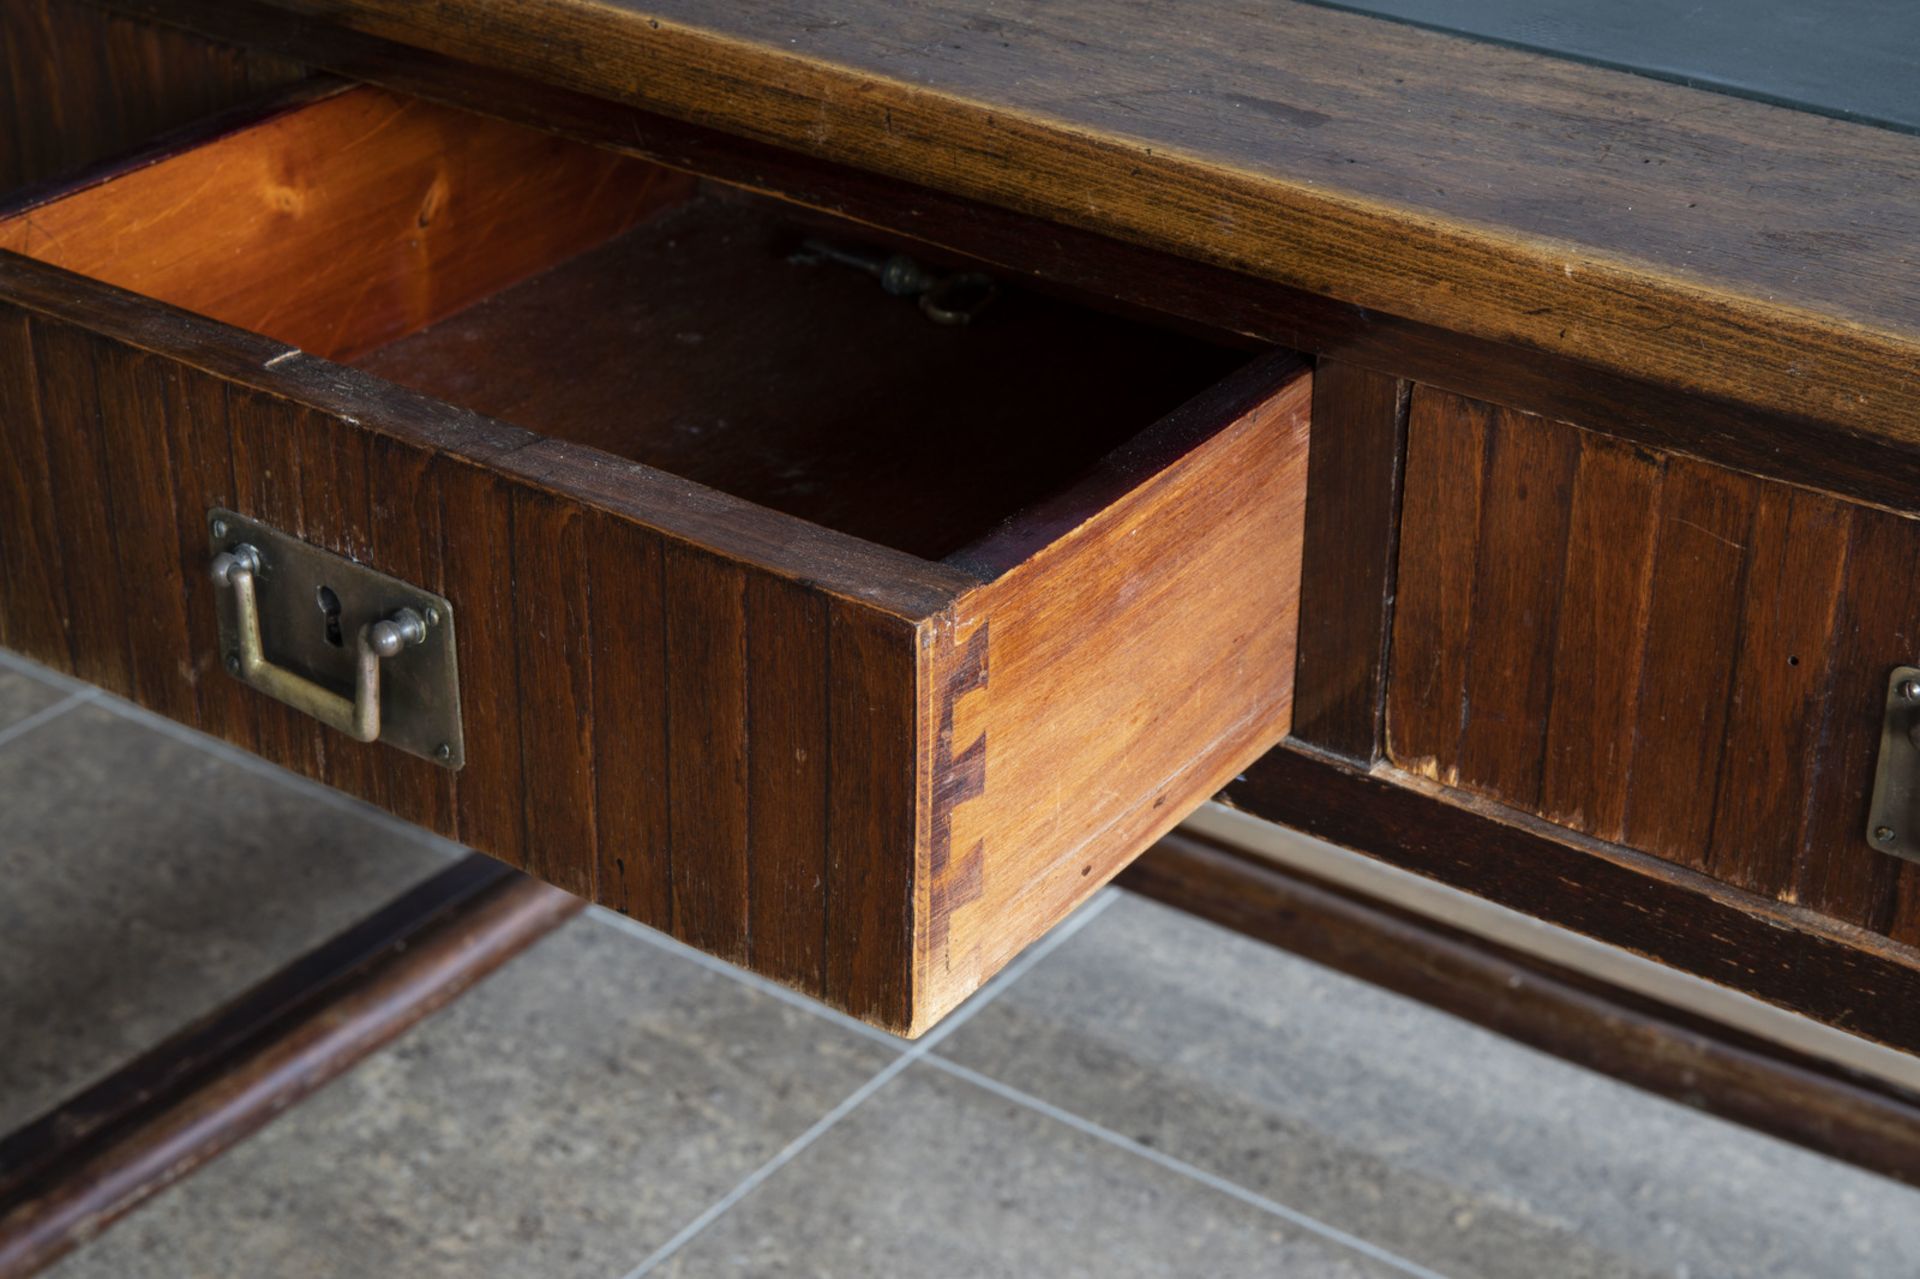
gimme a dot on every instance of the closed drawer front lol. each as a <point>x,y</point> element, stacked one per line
<point>847,645</point>
<point>1655,652</point>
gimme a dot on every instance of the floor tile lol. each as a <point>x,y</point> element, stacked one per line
<point>21,696</point>
<point>1420,1132</point>
<point>563,1119</point>
<point>144,881</point>
<point>936,1178</point>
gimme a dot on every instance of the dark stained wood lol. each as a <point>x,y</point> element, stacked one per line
<point>336,511</point>
<point>406,541</point>
<point>223,1078</point>
<point>788,692</point>
<point>1795,562</point>
<point>266,434</point>
<point>1778,953</point>
<point>1347,564</point>
<point>706,677</point>
<point>345,222</point>
<point>630,725</point>
<point>1691,642</point>
<point>1721,656</point>
<point>68,395</point>
<point>1598,640</point>
<point>212,1040</point>
<point>1386,166</point>
<point>79,84</point>
<point>143,530</point>
<point>692,344</point>
<point>1906,910</point>
<point>554,683</point>
<point>1524,507</point>
<point>1652,1046</point>
<point>199,445</point>
<point>1878,629</point>
<point>1166,280</point>
<point>874,798</point>
<point>33,608</point>
<point>1088,587</point>
<point>1439,533</point>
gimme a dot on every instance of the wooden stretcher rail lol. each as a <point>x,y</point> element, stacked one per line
<point>1663,1050</point>
<point>157,1119</point>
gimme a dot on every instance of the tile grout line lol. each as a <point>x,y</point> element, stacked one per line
<point>230,754</point>
<point>916,1052</point>
<point>47,714</point>
<point>610,918</point>
<point>40,674</point>
<point>1311,1225</point>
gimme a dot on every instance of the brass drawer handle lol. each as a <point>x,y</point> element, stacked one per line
<point>357,716</point>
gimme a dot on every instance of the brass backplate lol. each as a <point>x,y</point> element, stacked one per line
<point>1893,818</point>
<point>312,606</point>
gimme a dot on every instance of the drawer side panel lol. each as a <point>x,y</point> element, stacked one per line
<point>1088,699</point>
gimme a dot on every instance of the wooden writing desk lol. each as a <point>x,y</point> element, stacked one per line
<point>1603,533</point>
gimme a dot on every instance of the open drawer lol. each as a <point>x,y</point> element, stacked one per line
<point>847,645</point>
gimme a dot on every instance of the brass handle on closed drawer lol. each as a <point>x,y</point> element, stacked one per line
<point>357,716</point>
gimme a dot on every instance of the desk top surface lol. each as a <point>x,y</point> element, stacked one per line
<point>1719,244</point>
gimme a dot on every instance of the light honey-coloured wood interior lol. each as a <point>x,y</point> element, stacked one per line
<point>602,299</point>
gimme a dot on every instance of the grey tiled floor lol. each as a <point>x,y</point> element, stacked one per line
<point>1142,1094</point>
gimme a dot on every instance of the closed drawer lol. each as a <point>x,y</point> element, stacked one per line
<point>847,645</point>
<point>1655,652</point>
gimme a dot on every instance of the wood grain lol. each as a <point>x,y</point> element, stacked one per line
<point>198,1094</point>
<point>691,343</point>
<point>33,607</point>
<point>79,85</point>
<point>553,682</point>
<point>1159,280</point>
<point>1347,565</point>
<point>1097,690</point>
<point>631,744</point>
<point>1524,505</point>
<point>788,693</point>
<point>68,395</point>
<point>1502,194</point>
<point>1714,657</point>
<point>1598,640</point>
<point>1432,619</point>
<point>1626,1036</point>
<point>706,679</point>
<point>1773,951</point>
<point>724,720</point>
<point>343,223</point>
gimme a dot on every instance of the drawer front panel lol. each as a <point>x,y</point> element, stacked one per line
<point>872,777</point>
<point>614,677</point>
<point>1652,651</point>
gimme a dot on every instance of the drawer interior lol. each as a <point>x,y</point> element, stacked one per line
<point>604,300</point>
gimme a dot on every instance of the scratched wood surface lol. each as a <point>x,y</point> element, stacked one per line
<point>1703,242</point>
<point>1163,280</point>
<point>1652,651</point>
